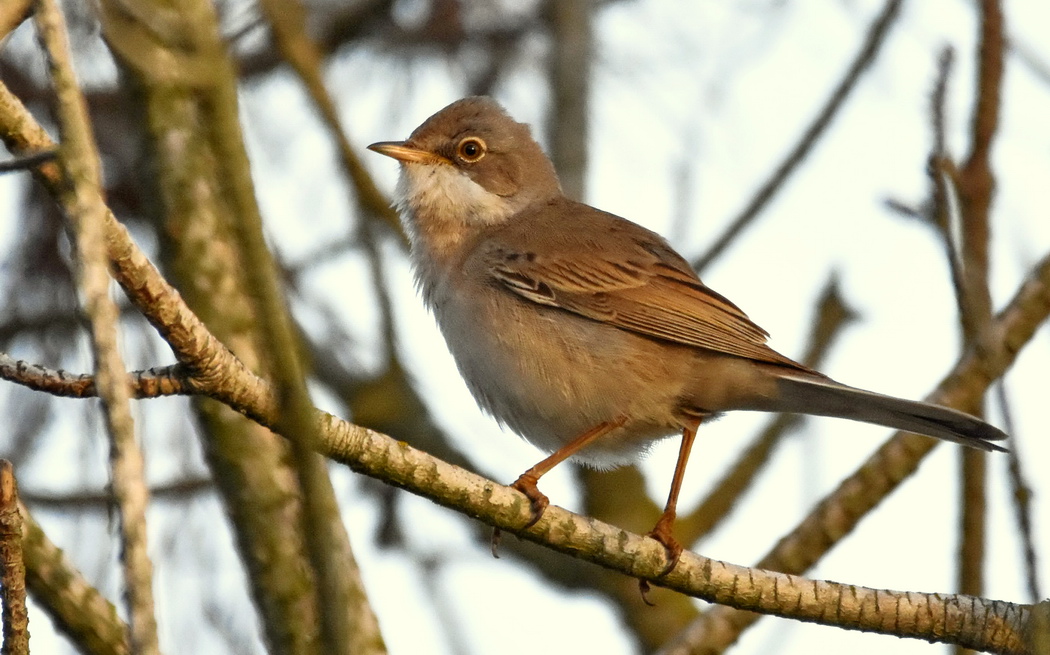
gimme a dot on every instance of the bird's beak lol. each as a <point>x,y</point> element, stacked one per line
<point>403,153</point>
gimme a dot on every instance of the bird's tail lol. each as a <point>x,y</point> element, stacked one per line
<point>824,397</point>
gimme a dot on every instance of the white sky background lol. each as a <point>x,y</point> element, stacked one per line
<point>724,90</point>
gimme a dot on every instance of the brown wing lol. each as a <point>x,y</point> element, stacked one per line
<point>621,274</point>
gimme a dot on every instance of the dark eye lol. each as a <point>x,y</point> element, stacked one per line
<point>471,149</point>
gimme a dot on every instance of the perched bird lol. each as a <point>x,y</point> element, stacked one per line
<point>583,332</point>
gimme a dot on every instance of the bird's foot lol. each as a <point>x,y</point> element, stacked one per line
<point>526,484</point>
<point>662,532</point>
<point>538,502</point>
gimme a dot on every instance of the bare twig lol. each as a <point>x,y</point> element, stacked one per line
<point>876,36</point>
<point>172,380</point>
<point>1022,496</point>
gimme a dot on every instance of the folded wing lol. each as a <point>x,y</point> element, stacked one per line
<point>622,275</point>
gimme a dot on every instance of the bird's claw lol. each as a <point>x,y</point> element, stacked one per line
<point>661,532</point>
<point>538,503</point>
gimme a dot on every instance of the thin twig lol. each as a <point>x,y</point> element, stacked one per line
<point>1022,496</point>
<point>174,380</point>
<point>876,37</point>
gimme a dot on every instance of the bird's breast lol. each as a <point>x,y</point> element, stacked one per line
<point>550,375</point>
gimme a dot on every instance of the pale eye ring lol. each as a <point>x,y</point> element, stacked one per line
<point>471,149</point>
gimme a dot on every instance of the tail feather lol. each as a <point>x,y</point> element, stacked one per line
<point>825,397</point>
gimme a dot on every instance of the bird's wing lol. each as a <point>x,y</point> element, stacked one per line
<point>620,274</point>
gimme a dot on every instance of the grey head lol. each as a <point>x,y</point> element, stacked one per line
<point>469,165</point>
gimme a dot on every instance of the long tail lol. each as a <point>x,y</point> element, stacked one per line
<point>825,397</point>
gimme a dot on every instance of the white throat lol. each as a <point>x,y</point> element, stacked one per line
<point>443,206</point>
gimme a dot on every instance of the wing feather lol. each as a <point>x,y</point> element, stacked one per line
<point>623,275</point>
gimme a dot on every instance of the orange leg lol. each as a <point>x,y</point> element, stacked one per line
<point>526,482</point>
<point>662,531</point>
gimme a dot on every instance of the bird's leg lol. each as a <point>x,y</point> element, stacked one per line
<point>526,482</point>
<point>662,531</point>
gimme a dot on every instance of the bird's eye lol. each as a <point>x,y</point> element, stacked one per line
<point>471,149</point>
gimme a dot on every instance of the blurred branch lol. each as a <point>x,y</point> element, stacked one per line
<point>99,500</point>
<point>339,25</point>
<point>571,58</point>
<point>12,566</point>
<point>876,37</point>
<point>12,14</point>
<point>77,609</point>
<point>347,622</point>
<point>304,582</point>
<point>1031,60</point>
<point>78,158</point>
<point>287,21</point>
<point>976,181</point>
<point>1022,496</point>
<point>976,186</point>
<point>943,173</point>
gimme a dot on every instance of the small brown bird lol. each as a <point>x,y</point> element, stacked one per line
<point>585,333</point>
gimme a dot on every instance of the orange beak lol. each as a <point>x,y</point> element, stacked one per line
<point>407,154</point>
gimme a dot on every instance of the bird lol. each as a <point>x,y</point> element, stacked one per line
<point>588,334</point>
